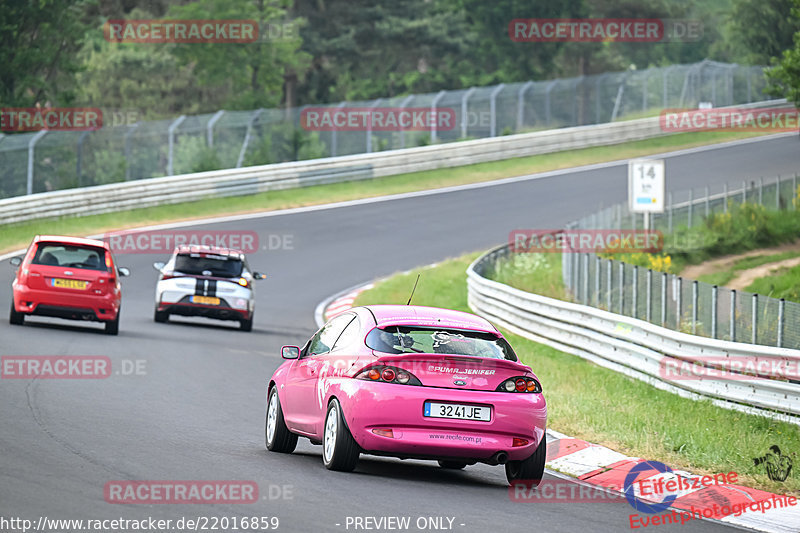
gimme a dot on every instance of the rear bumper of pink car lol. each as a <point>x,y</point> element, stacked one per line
<point>374,408</point>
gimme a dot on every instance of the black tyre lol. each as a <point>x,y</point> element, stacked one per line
<point>112,326</point>
<point>277,436</point>
<point>530,470</point>
<point>14,318</point>
<point>246,325</point>
<point>160,316</point>
<point>452,465</point>
<point>339,449</point>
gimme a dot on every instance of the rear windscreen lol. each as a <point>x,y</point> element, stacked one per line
<point>85,257</point>
<point>219,266</point>
<point>405,339</point>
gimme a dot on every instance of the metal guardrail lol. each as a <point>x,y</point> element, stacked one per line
<point>633,347</point>
<point>251,180</point>
<point>242,181</point>
<point>43,161</point>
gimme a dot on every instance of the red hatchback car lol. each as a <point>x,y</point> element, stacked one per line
<point>67,277</point>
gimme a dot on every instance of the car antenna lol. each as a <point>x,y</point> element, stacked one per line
<point>414,289</point>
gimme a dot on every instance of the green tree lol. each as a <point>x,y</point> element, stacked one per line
<point>39,42</point>
<point>784,78</point>
<point>244,75</point>
<point>758,31</point>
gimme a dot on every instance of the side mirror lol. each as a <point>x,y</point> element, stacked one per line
<point>15,261</point>
<point>123,272</point>
<point>158,265</point>
<point>290,352</point>
<point>259,275</point>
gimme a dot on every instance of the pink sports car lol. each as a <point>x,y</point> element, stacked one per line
<point>409,382</point>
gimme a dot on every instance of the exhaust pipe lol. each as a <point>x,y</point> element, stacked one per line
<point>500,458</point>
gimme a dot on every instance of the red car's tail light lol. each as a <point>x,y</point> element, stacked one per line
<point>517,442</point>
<point>388,374</point>
<point>519,384</point>
<point>384,432</point>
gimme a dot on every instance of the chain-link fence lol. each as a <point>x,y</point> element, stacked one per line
<point>682,304</point>
<point>46,161</point>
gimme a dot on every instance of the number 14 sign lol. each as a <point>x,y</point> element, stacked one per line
<point>646,187</point>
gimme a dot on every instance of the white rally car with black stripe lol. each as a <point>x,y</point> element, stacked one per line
<point>206,281</point>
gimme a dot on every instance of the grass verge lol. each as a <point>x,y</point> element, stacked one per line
<point>723,277</point>
<point>784,283</point>
<point>601,406</point>
<point>14,236</point>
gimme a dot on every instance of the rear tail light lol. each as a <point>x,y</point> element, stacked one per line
<point>517,442</point>
<point>388,374</point>
<point>520,384</point>
<point>384,432</point>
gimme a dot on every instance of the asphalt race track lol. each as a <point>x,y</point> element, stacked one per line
<point>195,411</point>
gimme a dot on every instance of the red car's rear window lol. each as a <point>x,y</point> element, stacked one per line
<point>70,255</point>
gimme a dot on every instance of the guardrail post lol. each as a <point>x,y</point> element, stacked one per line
<point>725,199</point>
<point>694,307</point>
<point>598,266</point>
<point>369,124</point>
<point>210,127</point>
<point>547,112</point>
<point>649,302</point>
<point>608,285</point>
<point>663,299</point>
<point>691,205</point>
<point>493,109</point>
<point>669,214</point>
<point>249,133</point>
<point>128,155</point>
<point>621,288</point>
<point>781,305</point>
<point>754,335</point>
<point>714,312</point>
<point>678,302</point>
<point>79,157</point>
<point>707,201</point>
<point>435,123</point>
<point>744,192</point>
<point>334,132</point>
<point>521,104</point>
<point>31,155</point>
<point>586,279</point>
<point>778,194</point>
<point>464,117</point>
<point>761,191</point>
<point>635,289</point>
<point>403,105</point>
<point>733,315</point>
<point>618,100</point>
<point>171,150</point>
<point>794,192</point>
